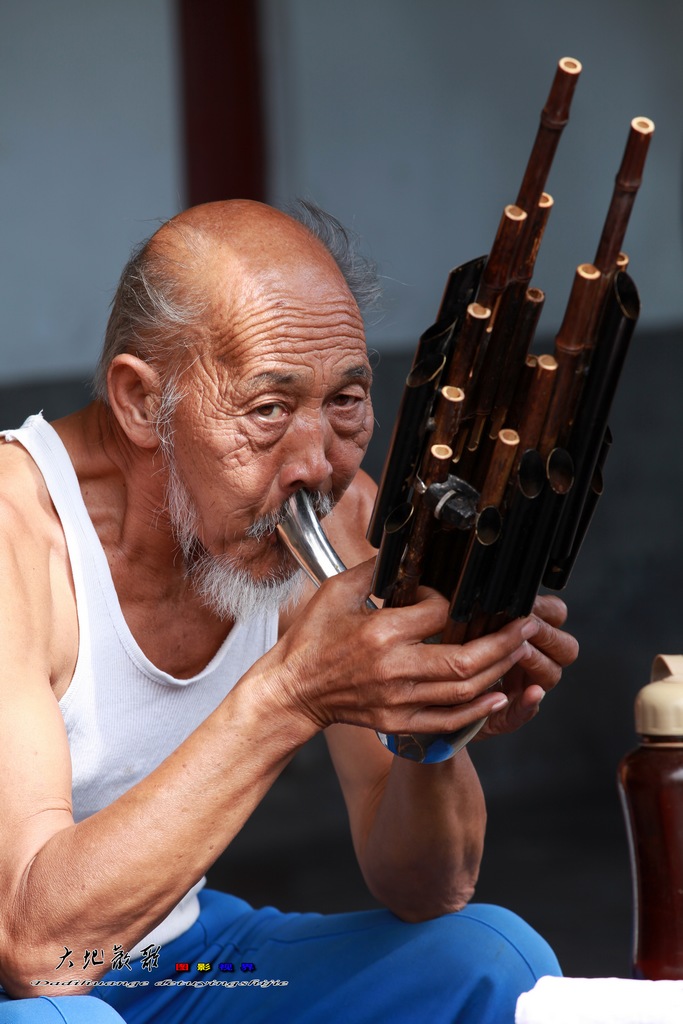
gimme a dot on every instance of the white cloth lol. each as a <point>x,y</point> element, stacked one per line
<point>601,1001</point>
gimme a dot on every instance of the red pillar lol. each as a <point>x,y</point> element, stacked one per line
<point>221,79</point>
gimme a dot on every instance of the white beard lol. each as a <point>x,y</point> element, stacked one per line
<point>231,593</point>
<point>226,589</point>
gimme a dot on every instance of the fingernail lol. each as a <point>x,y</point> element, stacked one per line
<point>530,628</point>
<point>500,703</point>
<point>523,651</point>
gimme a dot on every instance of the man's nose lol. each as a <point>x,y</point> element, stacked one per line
<point>305,462</point>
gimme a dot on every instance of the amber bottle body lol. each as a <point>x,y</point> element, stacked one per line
<point>651,789</point>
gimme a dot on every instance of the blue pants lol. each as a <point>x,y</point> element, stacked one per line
<point>260,966</point>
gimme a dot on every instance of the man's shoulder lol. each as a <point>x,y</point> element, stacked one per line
<point>39,631</point>
<point>358,500</point>
<point>31,536</point>
<point>347,525</point>
<point>24,499</point>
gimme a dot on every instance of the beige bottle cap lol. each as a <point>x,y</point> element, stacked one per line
<point>659,705</point>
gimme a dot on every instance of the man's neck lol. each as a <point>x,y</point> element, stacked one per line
<point>123,488</point>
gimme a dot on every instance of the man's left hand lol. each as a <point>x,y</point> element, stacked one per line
<point>527,683</point>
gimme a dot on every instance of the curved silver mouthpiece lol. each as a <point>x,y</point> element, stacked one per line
<point>304,536</point>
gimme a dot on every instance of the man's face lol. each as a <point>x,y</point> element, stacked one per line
<point>277,398</point>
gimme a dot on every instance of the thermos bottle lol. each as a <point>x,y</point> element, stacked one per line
<point>651,790</point>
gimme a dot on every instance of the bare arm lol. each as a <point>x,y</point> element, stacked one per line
<point>419,829</point>
<point>112,877</point>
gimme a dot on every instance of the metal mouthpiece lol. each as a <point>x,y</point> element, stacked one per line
<point>305,539</point>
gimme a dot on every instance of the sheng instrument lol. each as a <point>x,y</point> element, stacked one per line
<point>495,463</point>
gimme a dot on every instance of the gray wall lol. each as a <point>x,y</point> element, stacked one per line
<point>412,121</point>
<point>89,164</point>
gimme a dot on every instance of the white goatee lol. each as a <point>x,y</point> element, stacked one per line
<point>229,591</point>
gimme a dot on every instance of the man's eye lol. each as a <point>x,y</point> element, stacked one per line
<point>347,401</point>
<point>271,411</point>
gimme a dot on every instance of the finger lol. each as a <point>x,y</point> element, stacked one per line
<point>539,670</point>
<point>414,623</point>
<point>516,713</point>
<point>557,645</point>
<point>450,719</point>
<point>417,621</point>
<point>472,667</point>
<point>482,688</point>
<point>358,579</point>
<point>550,608</point>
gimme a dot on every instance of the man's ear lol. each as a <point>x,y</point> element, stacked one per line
<point>134,396</point>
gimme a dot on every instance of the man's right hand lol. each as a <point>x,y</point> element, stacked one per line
<point>340,662</point>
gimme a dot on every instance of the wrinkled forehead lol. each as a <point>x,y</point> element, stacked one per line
<point>269,290</point>
<point>284,310</point>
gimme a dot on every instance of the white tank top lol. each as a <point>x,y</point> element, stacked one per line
<point>123,715</point>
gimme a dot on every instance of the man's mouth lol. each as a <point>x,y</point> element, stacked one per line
<point>266,526</point>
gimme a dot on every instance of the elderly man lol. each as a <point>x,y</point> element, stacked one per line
<point>151,693</point>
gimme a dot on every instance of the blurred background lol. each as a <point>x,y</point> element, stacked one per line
<point>412,123</point>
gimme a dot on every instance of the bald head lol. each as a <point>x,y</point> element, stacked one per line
<point>241,228</point>
<point>239,254</point>
<point>199,263</point>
